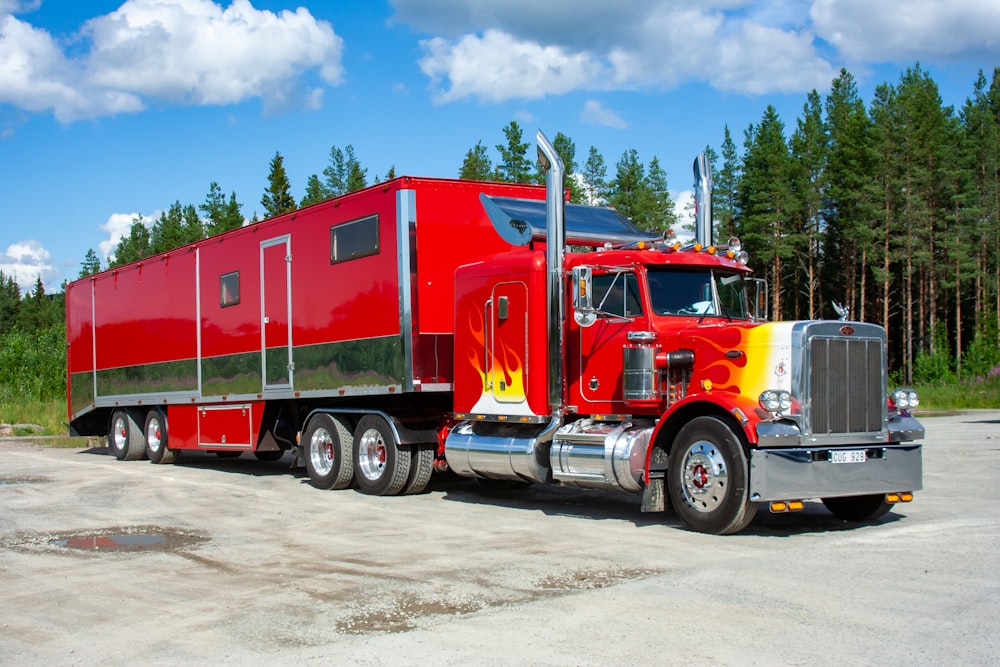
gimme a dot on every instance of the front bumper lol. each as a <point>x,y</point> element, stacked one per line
<point>800,473</point>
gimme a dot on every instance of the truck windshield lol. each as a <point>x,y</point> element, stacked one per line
<point>698,292</point>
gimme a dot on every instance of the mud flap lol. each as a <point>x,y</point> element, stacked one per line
<point>653,497</point>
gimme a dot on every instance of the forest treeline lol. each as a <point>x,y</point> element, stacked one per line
<point>891,208</point>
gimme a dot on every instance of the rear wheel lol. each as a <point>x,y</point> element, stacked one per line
<point>858,508</point>
<point>381,466</point>
<point>708,478</point>
<point>126,441</point>
<point>329,452</point>
<point>157,444</point>
<point>421,468</point>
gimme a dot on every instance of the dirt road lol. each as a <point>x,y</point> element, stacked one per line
<point>243,562</point>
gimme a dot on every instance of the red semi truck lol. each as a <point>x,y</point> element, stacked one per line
<point>499,332</point>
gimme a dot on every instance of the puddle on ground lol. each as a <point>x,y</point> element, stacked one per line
<point>128,539</point>
<point>13,481</point>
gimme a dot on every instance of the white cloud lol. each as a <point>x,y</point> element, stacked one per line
<point>863,30</point>
<point>478,48</point>
<point>27,261</point>
<point>496,66</point>
<point>594,113</point>
<point>117,227</point>
<point>179,51</point>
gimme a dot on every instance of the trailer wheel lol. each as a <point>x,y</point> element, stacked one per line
<point>381,466</point>
<point>708,478</point>
<point>125,440</point>
<point>157,444</point>
<point>421,468</point>
<point>858,508</point>
<point>329,452</point>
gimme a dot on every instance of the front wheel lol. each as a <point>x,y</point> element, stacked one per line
<point>708,478</point>
<point>381,466</point>
<point>858,508</point>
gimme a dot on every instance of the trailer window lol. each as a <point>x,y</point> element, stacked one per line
<point>354,239</point>
<point>229,289</point>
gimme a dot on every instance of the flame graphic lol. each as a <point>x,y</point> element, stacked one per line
<point>765,348</point>
<point>506,369</point>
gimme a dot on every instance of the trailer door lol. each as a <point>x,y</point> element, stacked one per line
<point>276,312</point>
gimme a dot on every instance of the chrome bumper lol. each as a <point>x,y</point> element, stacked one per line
<point>800,473</point>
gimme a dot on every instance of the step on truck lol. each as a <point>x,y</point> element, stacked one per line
<point>501,333</point>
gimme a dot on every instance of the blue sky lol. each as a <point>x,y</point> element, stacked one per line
<point>112,109</point>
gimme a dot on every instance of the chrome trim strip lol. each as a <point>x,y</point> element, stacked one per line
<point>406,231</point>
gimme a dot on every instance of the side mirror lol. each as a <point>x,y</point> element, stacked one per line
<point>583,296</point>
<point>759,303</point>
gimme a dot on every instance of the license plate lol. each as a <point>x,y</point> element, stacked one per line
<point>848,456</point>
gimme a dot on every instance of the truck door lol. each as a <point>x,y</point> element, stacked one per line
<point>617,298</point>
<point>276,312</point>
<point>507,342</point>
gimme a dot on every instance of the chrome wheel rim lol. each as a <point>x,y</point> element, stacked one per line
<point>704,479</point>
<point>153,435</point>
<point>321,451</point>
<point>120,433</point>
<point>371,455</point>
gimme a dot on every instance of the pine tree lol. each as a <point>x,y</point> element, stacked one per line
<point>567,152</point>
<point>10,303</point>
<point>90,265</point>
<point>167,232</point>
<point>629,191</point>
<point>277,198</point>
<point>222,215</point>
<point>724,195</point>
<point>595,173</point>
<point>851,243</point>
<point>514,166</point>
<point>660,216</point>
<point>344,173</point>
<point>477,165</point>
<point>766,200</point>
<point>808,174</point>
<point>133,247</point>
<point>315,191</point>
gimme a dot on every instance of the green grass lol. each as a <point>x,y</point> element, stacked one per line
<point>48,414</point>
<point>984,394</point>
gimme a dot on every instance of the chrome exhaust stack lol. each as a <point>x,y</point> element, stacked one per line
<point>555,242</point>
<point>702,201</point>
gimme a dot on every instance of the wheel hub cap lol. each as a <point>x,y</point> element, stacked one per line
<point>704,477</point>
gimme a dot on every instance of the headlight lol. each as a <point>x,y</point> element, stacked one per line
<point>776,401</point>
<point>905,399</point>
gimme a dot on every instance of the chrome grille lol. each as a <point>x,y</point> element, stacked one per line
<point>845,382</point>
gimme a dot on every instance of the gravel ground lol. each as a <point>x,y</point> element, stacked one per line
<point>243,562</point>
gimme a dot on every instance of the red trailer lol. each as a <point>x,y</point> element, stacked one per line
<point>429,324</point>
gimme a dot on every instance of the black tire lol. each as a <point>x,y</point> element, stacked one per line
<point>125,439</point>
<point>157,438</point>
<point>858,508</point>
<point>269,454</point>
<point>381,466</point>
<point>329,452</point>
<point>708,478</point>
<point>421,468</point>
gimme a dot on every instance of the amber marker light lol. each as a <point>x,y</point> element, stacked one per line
<point>906,497</point>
